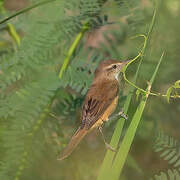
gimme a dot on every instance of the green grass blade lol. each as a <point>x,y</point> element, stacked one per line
<point>129,136</point>
<point>127,141</point>
<point>105,168</point>
<point>155,72</point>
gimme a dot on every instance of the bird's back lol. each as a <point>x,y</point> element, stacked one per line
<point>99,103</point>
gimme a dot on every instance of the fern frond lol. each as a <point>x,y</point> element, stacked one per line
<point>90,8</point>
<point>168,148</point>
<point>23,124</point>
<point>66,104</point>
<point>79,74</point>
<point>171,174</point>
<point>31,73</point>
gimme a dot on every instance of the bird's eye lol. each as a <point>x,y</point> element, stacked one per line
<point>114,66</point>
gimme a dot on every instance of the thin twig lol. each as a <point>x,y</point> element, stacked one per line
<point>25,10</point>
<point>134,85</point>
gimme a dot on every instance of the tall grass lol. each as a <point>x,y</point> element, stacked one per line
<point>121,156</point>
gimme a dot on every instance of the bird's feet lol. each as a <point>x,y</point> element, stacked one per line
<point>122,114</point>
<point>108,146</point>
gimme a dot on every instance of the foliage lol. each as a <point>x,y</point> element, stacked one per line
<point>29,84</point>
<point>171,175</point>
<point>168,148</point>
<point>173,88</point>
<point>37,109</point>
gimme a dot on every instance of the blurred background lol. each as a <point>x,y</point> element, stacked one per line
<point>113,27</point>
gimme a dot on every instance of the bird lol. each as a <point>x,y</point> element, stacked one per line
<point>100,102</point>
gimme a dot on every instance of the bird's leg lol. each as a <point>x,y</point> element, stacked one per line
<point>121,114</point>
<point>107,145</point>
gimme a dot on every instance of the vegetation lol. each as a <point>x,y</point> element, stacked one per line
<point>48,53</point>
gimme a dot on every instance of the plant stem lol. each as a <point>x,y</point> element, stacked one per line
<point>140,89</point>
<point>14,34</point>
<point>25,10</point>
<point>11,29</point>
<point>72,49</point>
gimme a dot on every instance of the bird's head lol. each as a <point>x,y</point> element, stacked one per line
<point>110,69</point>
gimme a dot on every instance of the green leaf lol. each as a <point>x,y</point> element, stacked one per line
<point>177,84</point>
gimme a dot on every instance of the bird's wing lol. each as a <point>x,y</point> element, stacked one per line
<point>97,101</point>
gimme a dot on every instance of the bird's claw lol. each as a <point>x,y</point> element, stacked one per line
<point>110,148</point>
<point>122,114</point>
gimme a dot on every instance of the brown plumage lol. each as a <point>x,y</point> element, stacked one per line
<point>100,102</point>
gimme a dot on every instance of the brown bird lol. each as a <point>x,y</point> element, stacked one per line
<point>100,102</point>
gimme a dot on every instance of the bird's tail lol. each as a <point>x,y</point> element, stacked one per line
<point>75,140</point>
